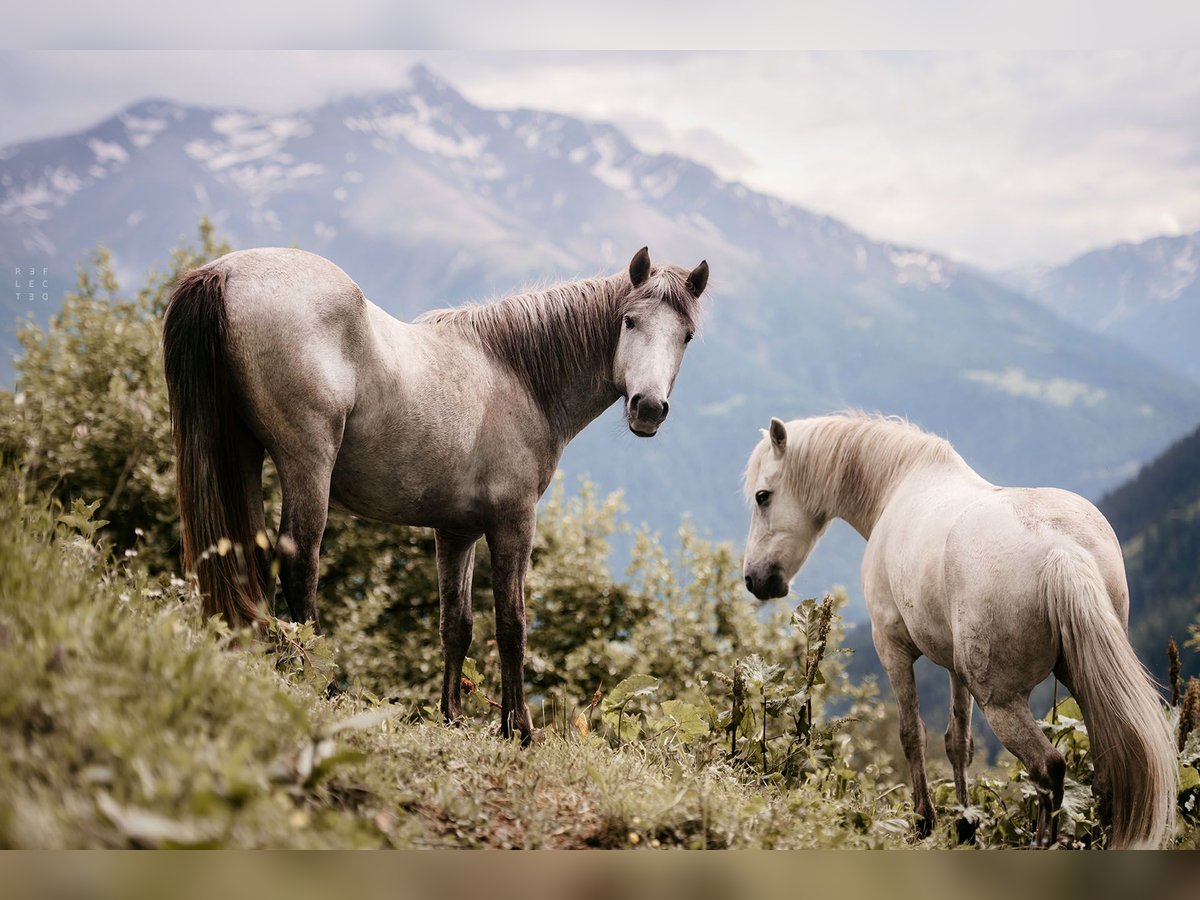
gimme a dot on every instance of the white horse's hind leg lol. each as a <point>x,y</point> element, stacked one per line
<point>898,663</point>
<point>1014,725</point>
<point>960,748</point>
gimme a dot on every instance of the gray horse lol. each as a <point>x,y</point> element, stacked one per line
<point>455,422</point>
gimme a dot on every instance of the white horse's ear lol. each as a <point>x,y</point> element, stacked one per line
<point>639,267</point>
<point>778,432</point>
<point>698,278</point>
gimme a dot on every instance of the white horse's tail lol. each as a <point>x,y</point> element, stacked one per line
<point>1132,746</point>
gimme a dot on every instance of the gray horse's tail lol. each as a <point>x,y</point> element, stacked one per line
<point>1132,747</point>
<point>213,452</point>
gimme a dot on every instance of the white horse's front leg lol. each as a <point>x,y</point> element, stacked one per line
<point>898,664</point>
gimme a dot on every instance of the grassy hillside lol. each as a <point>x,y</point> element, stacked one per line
<point>131,722</point>
<point>675,711</point>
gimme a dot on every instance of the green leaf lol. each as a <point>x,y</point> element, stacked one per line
<point>1188,778</point>
<point>363,720</point>
<point>471,670</point>
<point>759,672</point>
<point>687,720</point>
<point>631,687</point>
<point>1067,708</point>
<point>631,726</point>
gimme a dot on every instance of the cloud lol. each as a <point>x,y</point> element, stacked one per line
<point>997,159</point>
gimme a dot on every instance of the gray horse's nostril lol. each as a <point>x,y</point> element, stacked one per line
<point>749,584</point>
<point>633,403</point>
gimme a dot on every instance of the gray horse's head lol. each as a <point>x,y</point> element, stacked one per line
<point>658,319</point>
<point>783,530</point>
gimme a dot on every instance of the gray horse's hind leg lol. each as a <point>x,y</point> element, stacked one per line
<point>510,547</point>
<point>898,664</point>
<point>960,748</point>
<point>305,485</point>
<point>252,474</point>
<point>1014,725</point>
<point>456,562</point>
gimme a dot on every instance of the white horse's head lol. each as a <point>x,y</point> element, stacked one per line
<point>656,325</point>
<point>782,530</point>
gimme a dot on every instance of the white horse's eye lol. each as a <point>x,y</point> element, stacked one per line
<point>762,497</point>
<point>630,322</point>
<point>687,338</point>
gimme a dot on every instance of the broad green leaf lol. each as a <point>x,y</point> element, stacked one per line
<point>471,670</point>
<point>686,719</point>
<point>631,687</point>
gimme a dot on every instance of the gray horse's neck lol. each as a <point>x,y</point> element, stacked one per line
<point>560,343</point>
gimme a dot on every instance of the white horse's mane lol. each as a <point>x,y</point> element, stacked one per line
<point>844,464</point>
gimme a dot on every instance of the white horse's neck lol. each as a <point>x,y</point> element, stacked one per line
<point>848,467</point>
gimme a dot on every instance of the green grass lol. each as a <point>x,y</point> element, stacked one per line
<point>129,721</point>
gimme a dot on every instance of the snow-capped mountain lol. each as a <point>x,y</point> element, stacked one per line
<point>428,200</point>
<point>1147,294</point>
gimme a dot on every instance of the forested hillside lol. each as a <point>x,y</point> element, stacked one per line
<point>1157,518</point>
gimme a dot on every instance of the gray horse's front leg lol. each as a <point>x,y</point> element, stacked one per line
<point>510,546</point>
<point>456,562</point>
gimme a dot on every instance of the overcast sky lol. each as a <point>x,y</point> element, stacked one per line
<point>996,158</point>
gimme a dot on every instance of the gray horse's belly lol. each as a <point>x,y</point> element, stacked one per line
<point>403,482</point>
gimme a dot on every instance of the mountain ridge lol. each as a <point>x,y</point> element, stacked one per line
<point>1145,293</point>
<point>427,200</point>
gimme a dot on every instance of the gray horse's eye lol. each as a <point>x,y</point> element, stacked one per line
<point>762,497</point>
<point>630,322</point>
<point>687,338</point>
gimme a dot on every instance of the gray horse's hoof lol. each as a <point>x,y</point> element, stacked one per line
<point>965,830</point>
<point>925,825</point>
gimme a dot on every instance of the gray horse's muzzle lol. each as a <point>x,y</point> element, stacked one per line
<point>645,414</point>
<point>766,582</point>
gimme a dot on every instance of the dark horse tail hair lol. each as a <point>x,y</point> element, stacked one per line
<point>222,544</point>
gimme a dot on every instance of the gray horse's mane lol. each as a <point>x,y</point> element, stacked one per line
<point>845,464</point>
<point>551,336</point>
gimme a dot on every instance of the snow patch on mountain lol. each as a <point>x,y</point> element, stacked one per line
<point>36,199</point>
<point>918,267</point>
<point>107,152</point>
<point>143,130</point>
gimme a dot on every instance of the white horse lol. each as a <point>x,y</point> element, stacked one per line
<point>1001,586</point>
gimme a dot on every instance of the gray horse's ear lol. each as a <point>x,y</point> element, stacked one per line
<point>639,267</point>
<point>778,432</point>
<point>698,279</point>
